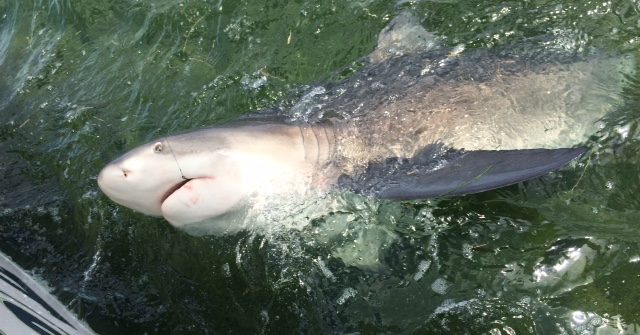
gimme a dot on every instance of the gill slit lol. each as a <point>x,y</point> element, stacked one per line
<point>315,136</point>
<point>175,159</point>
<point>304,147</point>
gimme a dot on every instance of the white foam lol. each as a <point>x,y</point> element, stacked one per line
<point>347,294</point>
<point>440,286</point>
<point>422,269</point>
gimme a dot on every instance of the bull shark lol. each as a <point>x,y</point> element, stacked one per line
<point>410,125</point>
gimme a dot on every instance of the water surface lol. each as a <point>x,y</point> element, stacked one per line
<point>82,81</point>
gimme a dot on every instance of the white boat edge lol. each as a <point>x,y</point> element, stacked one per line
<point>27,307</point>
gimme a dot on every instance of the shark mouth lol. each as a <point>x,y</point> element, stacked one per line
<point>173,189</point>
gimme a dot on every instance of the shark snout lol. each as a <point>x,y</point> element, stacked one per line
<point>134,185</point>
<point>110,175</point>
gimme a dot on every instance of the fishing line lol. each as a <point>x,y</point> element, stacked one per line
<point>175,159</point>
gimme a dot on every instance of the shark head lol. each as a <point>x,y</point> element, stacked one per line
<point>196,176</point>
<point>143,178</point>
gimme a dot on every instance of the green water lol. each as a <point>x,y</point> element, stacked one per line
<point>82,81</point>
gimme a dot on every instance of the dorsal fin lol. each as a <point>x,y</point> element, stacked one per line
<point>403,35</point>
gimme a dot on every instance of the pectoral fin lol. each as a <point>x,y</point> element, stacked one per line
<point>468,172</point>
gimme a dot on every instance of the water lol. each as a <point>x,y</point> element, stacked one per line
<point>82,81</point>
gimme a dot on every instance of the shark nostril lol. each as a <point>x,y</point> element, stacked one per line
<point>125,173</point>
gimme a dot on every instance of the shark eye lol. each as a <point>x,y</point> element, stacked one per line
<point>157,148</point>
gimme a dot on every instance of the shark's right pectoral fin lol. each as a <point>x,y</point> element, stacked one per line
<point>467,172</point>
